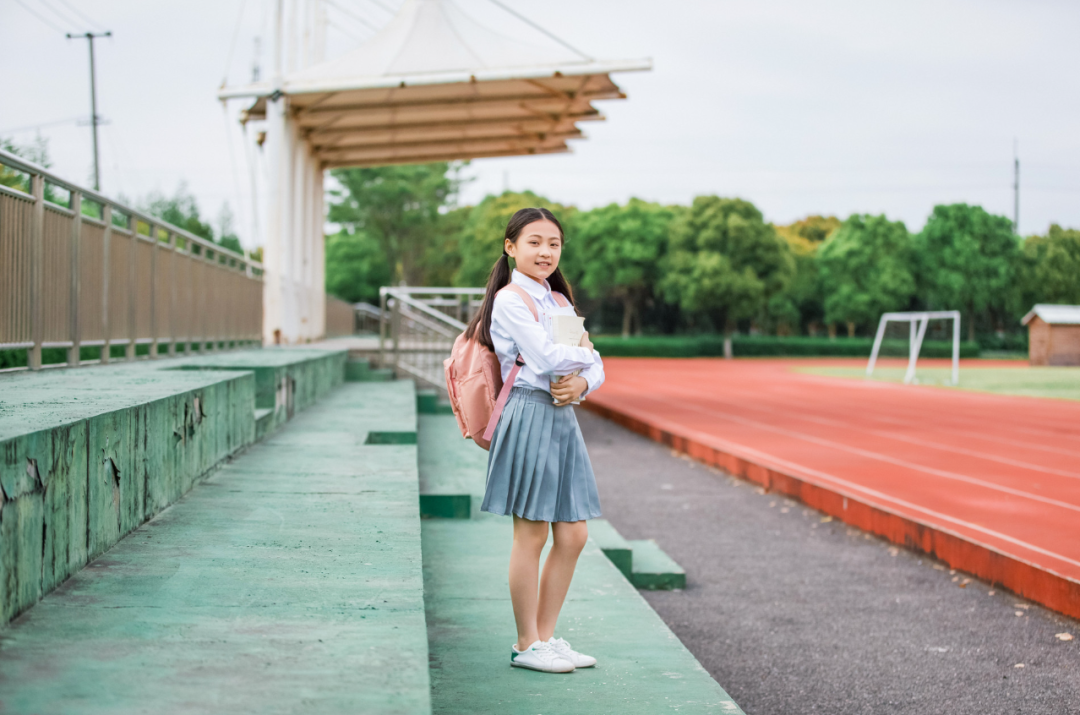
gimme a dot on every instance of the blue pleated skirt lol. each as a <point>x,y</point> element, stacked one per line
<point>537,465</point>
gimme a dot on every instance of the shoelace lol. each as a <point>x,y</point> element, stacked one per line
<point>546,652</point>
<point>561,644</point>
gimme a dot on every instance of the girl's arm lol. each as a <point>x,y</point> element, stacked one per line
<point>594,374</point>
<point>540,353</point>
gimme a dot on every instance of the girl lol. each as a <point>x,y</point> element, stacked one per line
<point>538,469</point>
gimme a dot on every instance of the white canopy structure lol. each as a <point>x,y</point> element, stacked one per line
<point>433,85</point>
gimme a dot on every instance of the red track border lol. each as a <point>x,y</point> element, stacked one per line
<point>1056,592</point>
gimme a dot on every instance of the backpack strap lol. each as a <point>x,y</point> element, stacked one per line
<point>504,393</point>
<point>524,294</point>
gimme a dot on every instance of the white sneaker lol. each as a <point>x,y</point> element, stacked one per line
<point>540,656</point>
<point>580,660</point>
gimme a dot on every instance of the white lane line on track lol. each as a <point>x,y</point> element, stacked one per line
<point>755,405</point>
<point>967,394</point>
<point>779,464</point>
<point>879,457</point>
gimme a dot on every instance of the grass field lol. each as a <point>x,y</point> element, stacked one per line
<point>1056,382</point>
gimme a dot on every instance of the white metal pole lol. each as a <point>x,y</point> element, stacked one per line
<point>877,345</point>
<point>956,348</point>
<point>924,320</point>
<point>277,163</point>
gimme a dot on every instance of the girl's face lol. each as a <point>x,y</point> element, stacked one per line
<point>537,249</point>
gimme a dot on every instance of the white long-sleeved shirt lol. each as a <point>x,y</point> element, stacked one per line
<point>514,331</point>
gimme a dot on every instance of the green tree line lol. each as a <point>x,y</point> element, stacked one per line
<point>715,266</point>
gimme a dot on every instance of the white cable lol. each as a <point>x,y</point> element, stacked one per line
<point>232,158</point>
<point>232,44</point>
<point>532,24</point>
<point>349,13</point>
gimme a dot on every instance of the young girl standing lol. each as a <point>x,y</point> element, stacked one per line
<point>538,469</point>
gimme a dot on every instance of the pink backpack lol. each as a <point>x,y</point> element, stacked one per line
<point>474,380</point>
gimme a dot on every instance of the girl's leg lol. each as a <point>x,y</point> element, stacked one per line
<point>570,537</point>
<point>529,540</point>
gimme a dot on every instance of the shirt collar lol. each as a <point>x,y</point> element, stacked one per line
<point>531,287</point>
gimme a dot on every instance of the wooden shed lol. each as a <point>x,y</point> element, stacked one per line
<point>1053,334</point>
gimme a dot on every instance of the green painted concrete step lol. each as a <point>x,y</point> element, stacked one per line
<point>287,380</point>
<point>89,454</point>
<point>614,546</point>
<point>452,469</point>
<point>362,371</point>
<point>653,569</point>
<point>643,667</point>
<point>430,402</point>
<point>290,581</point>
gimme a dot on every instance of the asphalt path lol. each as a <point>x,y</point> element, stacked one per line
<point>794,614</point>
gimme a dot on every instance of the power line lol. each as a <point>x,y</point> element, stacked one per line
<point>532,24</point>
<point>33,12</point>
<point>81,14</point>
<point>63,18</point>
<point>94,118</point>
<point>43,125</point>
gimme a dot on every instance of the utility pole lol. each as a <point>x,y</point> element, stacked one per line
<point>94,119</point>
<point>1016,190</point>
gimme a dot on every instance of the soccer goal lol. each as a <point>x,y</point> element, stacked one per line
<point>918,320</point>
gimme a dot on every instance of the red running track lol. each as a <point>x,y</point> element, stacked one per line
<point>988,483</point>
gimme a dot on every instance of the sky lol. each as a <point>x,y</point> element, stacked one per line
<point>800,106</point>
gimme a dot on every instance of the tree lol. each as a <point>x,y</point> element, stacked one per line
<point>1051,268</point>
<point>37,152</point>
<point>180,209</point>
<point>865,268</point>
<point>227,237</point>
<point>356,267</point>
<point>967,259</point>
<point>724,260</point>
<point>398,206</point>
<point>481,238</point>
<point>621,249</point>
<point>804,238</point>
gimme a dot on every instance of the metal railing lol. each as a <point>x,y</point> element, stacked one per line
<point>80,269</point>
<point>368,318</point>
<point>417,328</point>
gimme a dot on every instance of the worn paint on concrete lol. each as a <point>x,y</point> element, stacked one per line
<point>289,581</point>
<point>287,380</point>
<point>87,455</point>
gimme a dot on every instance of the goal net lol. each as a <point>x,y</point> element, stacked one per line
<point>917,323</point>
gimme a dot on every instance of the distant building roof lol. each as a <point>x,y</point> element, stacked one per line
<point>1054,314</point>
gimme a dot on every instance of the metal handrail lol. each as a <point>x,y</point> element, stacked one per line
<point>421,336</point>
<point>69,280</point>
<point>28,167</point>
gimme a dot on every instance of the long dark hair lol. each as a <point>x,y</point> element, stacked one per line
<point>480,325</point>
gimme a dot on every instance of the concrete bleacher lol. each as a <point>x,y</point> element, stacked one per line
<point>88,455</point>
<point>297,574</point>
<point>288,581</point>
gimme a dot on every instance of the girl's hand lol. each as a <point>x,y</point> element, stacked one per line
<point>585,342</point>
<point>568,388</point>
